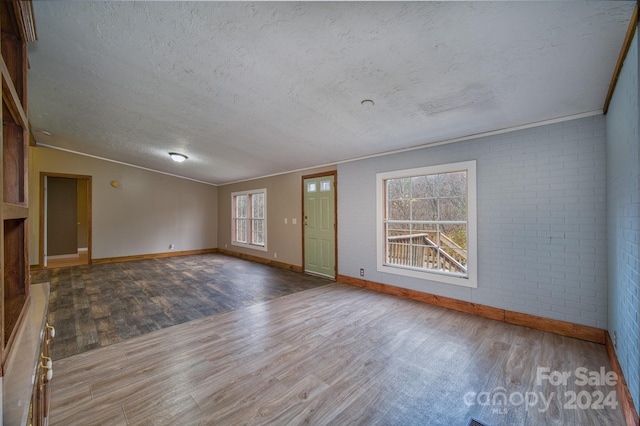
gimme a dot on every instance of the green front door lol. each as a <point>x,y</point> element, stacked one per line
<point>319,226</point>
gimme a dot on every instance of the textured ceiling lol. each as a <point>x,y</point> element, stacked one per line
<point>254,89</point>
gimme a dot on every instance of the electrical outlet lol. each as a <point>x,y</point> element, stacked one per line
<point>171,246</point>
<point>362,272</point>
<point>275,255</point>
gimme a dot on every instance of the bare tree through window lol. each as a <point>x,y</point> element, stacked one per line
<point>426,222</point>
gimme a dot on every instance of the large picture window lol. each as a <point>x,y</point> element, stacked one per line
<point>249,219</point>
<point>427,223</point>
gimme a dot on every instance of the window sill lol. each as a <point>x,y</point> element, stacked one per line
<point>249,246</point>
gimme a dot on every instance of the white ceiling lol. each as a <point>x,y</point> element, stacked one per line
<point>254,89</point>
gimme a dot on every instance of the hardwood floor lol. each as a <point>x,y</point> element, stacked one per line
<point>93,306</point>
<point>332,354</point>
<point>82,258</point>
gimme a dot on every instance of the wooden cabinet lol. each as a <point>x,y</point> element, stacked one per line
<point>17,28</point>
<point>28,368</point>
<point>38,413</point>
<point>25,366</point>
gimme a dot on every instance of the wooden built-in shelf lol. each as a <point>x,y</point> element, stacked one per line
<point>14,162</point>
<point>14,211</point>
<point>16,274</point>
<point>19,317</point>
<point>14,195</point>
<point>13,64</point>
<point>12,309</point>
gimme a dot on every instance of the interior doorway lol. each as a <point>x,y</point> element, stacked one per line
<point>319,231</point>
<point>65,220</point>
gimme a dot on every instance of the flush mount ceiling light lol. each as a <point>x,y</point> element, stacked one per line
<point>178,158</point>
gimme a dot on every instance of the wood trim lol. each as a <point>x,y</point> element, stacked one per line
<point>14,211</point>
<point>631,30</point>
<point>65,175</point>
<point>261,260</point>
<point>24,17</point>
<point>153,256</point>
<point>432,299</point>
<point>333,173</point>
<point>624,395</point>
<point>26,165</point>
<point>14,334</point>
<point>11,98</point>
<point>32,138</point>
<point>583,332</point>
<point>577,331</point>
<point>89,218</point>
<point>41,221</point>
<point>321,174</point>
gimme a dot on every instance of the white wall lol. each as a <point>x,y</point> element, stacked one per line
<point>542,246</point>
<point>143,215</point>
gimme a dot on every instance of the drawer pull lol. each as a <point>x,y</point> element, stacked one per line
<point>52,331</point>
<point>47,364</point>
<point>49,373</point>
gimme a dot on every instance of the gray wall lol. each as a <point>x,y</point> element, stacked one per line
<point>146,213</point>
<point>623,188</point>
<point>541,219</point>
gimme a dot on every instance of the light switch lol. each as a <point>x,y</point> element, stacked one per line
<point>293,221</point>
<point>285,220</point>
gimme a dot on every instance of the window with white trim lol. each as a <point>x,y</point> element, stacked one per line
<point>427,223</point>
<point>249,219</point>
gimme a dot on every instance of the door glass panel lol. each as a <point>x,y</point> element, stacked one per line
<point>311,187</point>
<point>325,185</point>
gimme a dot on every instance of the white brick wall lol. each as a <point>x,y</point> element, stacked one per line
<point>542,246</point>
<point>623,174</point>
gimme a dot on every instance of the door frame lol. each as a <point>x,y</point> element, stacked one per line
<point>44,175</point>
<point>333,173</point>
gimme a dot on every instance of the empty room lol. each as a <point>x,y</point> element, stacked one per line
<point>326,213</point>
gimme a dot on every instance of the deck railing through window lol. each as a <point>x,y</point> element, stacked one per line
<point>422,251</point>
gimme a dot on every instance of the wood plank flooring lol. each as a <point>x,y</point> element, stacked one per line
<point>82,258</point>
<point>332,354</point>
<point>93,306</point>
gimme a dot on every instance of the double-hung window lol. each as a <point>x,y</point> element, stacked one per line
<point>249,219</point>
<point>427,223</point>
